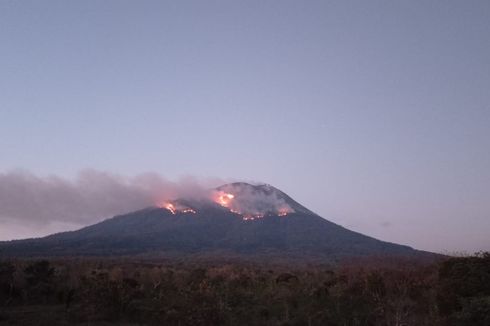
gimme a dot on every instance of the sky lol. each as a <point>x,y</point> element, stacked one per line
<point>373,114</point>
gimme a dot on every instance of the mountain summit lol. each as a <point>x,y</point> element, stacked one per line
<point>261,199</point>
<point>236,220</point>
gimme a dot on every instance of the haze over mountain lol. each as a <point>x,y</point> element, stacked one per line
<point>236,220</point>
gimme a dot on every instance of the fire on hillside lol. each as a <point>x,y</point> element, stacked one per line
<point>175,208</point>
<point>250,208</point>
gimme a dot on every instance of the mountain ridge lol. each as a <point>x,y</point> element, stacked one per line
<point>277,226</point>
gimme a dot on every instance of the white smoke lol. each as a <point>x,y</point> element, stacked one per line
<point>255,201</point>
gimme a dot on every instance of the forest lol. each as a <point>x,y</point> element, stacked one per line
<point>451,291</point>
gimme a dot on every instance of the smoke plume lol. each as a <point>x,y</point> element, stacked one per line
<point>252,200</point>
<point>27,199</point>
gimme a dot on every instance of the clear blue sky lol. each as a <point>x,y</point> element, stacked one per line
<point>374,114</point>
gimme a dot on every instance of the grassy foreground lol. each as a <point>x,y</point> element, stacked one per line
<point>454,291</point>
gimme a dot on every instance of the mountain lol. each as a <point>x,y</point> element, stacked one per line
<point>235,220</point>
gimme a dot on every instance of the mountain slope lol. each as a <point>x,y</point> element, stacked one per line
<point>243,220</point>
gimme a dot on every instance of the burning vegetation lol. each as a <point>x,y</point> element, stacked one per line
<point>175,208</point>
<point>250,202</point>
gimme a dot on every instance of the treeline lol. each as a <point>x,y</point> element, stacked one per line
<point>455,291</point>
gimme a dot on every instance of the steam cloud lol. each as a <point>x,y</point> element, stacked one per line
<point>26,199</point>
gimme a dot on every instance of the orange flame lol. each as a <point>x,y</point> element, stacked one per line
<point>252,217</point>
<point>170,207</point>
<point>179,209</point>
<point>224,198</point>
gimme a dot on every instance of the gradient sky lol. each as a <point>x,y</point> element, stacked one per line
<point>374,114</point>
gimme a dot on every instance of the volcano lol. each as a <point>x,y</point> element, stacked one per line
<point>236,220</point>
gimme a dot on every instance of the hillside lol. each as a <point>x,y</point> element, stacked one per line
<point>242,220</point>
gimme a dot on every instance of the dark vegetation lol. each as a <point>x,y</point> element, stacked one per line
<point>454,291</point>
<point>155,231</point>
